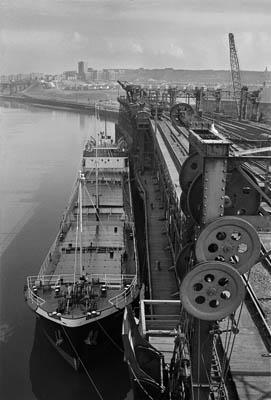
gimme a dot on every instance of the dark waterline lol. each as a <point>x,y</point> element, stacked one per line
<point>40,155</point>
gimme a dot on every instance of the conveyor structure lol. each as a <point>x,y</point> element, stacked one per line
<point>207,225</point>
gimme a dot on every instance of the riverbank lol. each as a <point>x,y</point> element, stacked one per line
<point>80,100</point>
<point>107,108</point>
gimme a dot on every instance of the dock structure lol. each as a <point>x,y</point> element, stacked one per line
<point>228,356</point>
<point>160,312</point>
<point>163,284</point>
<point>250,363</point>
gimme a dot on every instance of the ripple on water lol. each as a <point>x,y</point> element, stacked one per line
<point>6,331</point>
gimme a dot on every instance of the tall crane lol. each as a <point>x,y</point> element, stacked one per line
<point>235,73</point>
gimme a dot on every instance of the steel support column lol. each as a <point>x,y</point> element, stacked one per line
<point>214,153</point>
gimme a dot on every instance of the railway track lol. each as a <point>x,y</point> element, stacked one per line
<point>257,314</point>
<point>177,148</point>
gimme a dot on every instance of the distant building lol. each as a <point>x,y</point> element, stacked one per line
<point>105,75</point>
<point>265,98</point>
<point>82,69</point>
<point>265,95</point>
<point>120,74</point>
<point>95,74</point>
<point>36,75</point>
<point>90,74</point>
<point>70,75</point>
<point>267,78</point>
<point>100,75</point>
<point>111,74</point>
<point>4,78</point>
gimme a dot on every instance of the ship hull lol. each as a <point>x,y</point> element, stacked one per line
<point>83,344</point>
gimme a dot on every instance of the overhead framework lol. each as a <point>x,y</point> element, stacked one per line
<point>202,203</point>
<point>235,72</point>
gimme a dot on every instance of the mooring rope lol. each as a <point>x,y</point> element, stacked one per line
<point>109,337</point>
<point>83,365</point>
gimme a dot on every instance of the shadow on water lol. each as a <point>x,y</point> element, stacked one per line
<point>24,255</point>
<point>52,378</point>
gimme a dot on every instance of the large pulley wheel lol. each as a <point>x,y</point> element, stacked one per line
<point>181,114</point>
<point>191,167</point>
<point>241,198</point>
<point>212,290</point>
<point>194,199</point>
<point>182,262</point>
<point>229,239</point>
<point>183,204</point>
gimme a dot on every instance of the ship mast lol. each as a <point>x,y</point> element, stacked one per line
<point>96,170</point>
<point>105,126</point>
<point>80,221</point>
<point>97,175</point>
<point>79,224</point>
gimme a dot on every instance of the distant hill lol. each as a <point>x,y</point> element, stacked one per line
<point>212,77</point>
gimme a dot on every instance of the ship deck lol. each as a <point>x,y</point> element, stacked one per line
<point>85,271</point>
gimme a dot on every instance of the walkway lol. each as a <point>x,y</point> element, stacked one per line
<point>163,281</point>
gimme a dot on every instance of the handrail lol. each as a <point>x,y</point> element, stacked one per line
<point>53,247</point>
<point>114,281</point>
<point>35,298</point>
<point>132,224</point>
<point>146,236</point>
<point>88,276</point>
<point>123,296</point>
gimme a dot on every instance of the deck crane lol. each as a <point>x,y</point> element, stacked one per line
<point>236,77</point>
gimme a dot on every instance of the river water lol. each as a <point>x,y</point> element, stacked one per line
<point>40,153</point>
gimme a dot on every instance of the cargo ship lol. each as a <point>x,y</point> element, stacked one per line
<point>91,271</point>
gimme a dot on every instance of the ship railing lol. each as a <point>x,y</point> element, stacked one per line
<point>35,299</point>
<point>50,257</point>
<point>120,280</point>
<point>111,281</point>
<point>127,295</point>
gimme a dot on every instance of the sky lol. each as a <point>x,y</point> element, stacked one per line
<point>53,35</point>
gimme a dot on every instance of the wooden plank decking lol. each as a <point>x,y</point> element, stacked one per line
<point>163,281</point>
<point>250,364</point>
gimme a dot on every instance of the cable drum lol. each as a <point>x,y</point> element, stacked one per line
<point>229,239</point>
<point>194,198</point>
<point>241,198</point>
<point>181,114</point>
<point>182,261</point>
<point>191,167</point>
<point>183,204</point>
<point>212,291</point>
